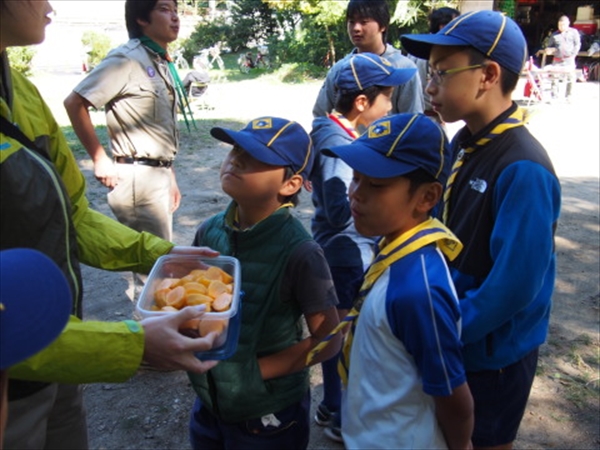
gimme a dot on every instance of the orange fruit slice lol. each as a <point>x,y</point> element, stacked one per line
<point>207,326</point>
<point>176,298</point>
<point>213,273</point>
<point>225,277</point>
<point>199,299</point>
<point>216,288</point>
<point>222,302</point>
<point>160,297</point>
<point>194,288</point>
<point>166,283</point>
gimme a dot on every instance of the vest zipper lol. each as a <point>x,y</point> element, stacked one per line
<point>58,186</point>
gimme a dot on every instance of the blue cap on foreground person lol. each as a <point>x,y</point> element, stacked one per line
<point>506,44</point>
<point>397,145</point>
<point>35,303</point>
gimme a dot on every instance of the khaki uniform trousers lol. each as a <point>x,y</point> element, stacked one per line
<point>53,418</point>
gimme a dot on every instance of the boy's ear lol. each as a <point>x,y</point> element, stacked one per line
<point>492,74</point>
<point>291,185</point>
<point>361,103</point>
<point>430,195</point>
<point>142,23</point>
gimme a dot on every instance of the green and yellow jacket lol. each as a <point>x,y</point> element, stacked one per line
<point>43,206</point>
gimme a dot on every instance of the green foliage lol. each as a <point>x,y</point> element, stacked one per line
<point>410,16</point>
<point>299,31</point>
<point>20,58</point>
<point>97,46</point>
<point>293,73</point>
<point>311,43</point>
<point>208,34</point>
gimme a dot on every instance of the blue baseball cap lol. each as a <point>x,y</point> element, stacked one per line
<point>274,141</point>
<point>397,145</point>
<point>35,303</point>
<point>363,70</point>
<point>490,32</point>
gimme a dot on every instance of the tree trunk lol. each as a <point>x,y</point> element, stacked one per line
<point>330,59</point>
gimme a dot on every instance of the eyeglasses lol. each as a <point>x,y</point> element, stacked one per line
<point>437,76</point>
<point>164,9</point>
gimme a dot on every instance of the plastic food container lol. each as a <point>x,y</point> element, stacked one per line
<point>179,266</point>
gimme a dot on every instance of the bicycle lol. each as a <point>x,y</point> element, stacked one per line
<point>206,58</point>
<point>179,61</point>
<point>247,62</point>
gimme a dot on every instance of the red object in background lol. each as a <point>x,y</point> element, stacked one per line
<point>587,27</point>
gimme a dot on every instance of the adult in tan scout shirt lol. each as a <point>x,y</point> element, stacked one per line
<point>134,85</point>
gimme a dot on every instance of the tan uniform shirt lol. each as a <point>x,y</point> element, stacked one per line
<point>134,85</point>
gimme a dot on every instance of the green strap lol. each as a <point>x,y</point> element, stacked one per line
<point>182,100</point>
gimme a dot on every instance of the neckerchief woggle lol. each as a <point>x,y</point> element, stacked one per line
<point>182,100</point>
<point>428,232</point>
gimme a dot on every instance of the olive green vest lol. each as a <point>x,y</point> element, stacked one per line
<point>234,390</point>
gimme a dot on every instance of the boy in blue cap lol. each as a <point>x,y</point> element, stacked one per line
<point>260,398</point>
<point>406,386</point>
<point>502,201</point>
<point>367,23</point>
<point>364,88</point>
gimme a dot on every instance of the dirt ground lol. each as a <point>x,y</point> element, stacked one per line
<point>150,411</point>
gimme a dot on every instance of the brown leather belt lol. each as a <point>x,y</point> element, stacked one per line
<point>143,161</point>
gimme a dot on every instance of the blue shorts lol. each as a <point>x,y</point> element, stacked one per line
<point>347,282</point>
<point>500,398</point>
<point>208,432</point>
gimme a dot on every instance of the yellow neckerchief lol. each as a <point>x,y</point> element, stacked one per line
<point>516,119</point>
<point>428,232</point>
<point>432,230</point>
<point>236,220</point>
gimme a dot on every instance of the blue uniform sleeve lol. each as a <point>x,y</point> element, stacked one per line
<point>526,207</point>
<point>424,315</point>
<point>337,176</point>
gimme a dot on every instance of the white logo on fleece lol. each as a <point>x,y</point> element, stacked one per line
<point>478,185</point>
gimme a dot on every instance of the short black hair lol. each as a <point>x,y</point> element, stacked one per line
<point>508,79</point>
<point>441,17</point>
<point>136,10</point>
<point>344,100</point>
<point>378,10</point>
<point>418,178</point>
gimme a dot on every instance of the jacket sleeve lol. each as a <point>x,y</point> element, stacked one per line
<point>522,250</point>
<point>87,352</point>
<point>326,97</point>
<point>337,176</point>
<point>103,242</point>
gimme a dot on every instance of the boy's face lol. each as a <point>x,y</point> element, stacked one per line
<point>563,25</point>
<point>248,180</point>
<point>454,95</point>
<point>383,206</point>
<point>380,107</point>
<point>365,33</point>
<point>163,26</point>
